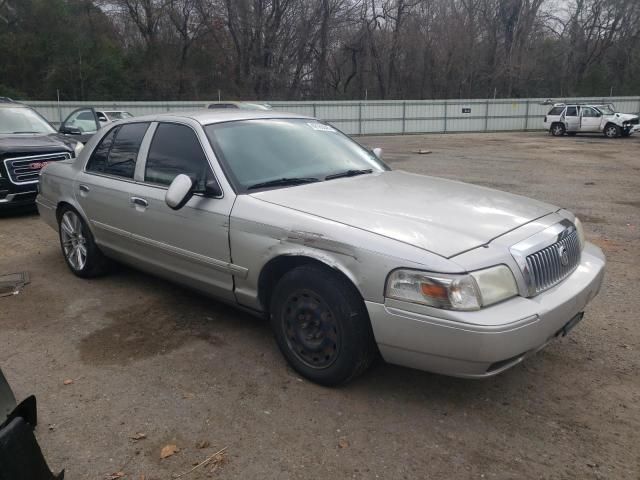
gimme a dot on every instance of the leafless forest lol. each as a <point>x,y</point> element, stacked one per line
<point>318,49</point>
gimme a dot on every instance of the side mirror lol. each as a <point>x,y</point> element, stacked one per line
<point>70,130</point>
<point>378,152</point>
<point>179,192</point>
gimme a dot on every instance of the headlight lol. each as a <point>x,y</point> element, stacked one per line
<point>453,292</point>
<point>78,148</point>
<point>580,231</point>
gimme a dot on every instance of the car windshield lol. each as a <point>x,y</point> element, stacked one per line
<point>15,120</point>
<point>268,153</point>
<point>118,115</point>
<point>606,109</point>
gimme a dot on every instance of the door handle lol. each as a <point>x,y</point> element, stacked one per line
<point>83,188</point>
<point>139,201</point>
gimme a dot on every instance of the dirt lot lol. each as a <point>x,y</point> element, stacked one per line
<point>147,356</point>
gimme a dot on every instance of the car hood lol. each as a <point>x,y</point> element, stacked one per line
<point>625,117</point>
<point>442,216</point>
<point>35,143</point>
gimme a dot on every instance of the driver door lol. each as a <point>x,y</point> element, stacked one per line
<point>591,120</point>
<point>81,124</point>
<point>190,244</point>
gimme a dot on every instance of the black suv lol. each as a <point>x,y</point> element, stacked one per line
<point>27,143</point>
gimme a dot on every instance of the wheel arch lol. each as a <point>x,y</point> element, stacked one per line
<point>277,267</point>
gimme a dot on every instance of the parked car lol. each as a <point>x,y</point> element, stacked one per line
<point>27,143</point>
<point>285,216</point>
<point>589,118</point>
<point>238,105</point>
<point>84,122</point>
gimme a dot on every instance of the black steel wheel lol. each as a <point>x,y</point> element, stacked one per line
<point>311,329</point>
<point>321,325</point>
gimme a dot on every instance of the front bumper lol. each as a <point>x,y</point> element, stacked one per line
<point>484,343</point>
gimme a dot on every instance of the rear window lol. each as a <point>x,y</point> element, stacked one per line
<point>118,151</point>
<point>556,111</point>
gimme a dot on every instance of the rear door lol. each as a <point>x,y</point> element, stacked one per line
<point>190,244</point>
<point>104,187</point>
<point>572,119</point>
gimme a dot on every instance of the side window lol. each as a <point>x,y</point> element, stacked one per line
<point>556,111</point>
<point>572,111</point>
<point>175,149</point>
<point>589,112</point>
<point>118,151</point>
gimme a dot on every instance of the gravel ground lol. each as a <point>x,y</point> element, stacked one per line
<point>146,356</point>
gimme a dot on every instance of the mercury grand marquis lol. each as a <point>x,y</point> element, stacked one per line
<point>285,216</point>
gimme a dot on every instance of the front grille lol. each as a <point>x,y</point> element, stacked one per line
<point>25,169</point>
<point>554,263</point>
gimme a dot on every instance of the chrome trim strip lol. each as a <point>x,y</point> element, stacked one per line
<point>220,265</point>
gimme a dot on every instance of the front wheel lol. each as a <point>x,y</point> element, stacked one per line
<point>82,255</point>
<point>612,131</point>
<point>321,325</point>
<point>558,129</point>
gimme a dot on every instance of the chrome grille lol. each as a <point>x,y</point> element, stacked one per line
<point>551,265</point>
<point>25,169</point>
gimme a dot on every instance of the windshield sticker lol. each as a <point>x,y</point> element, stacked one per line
<point>321,127</point>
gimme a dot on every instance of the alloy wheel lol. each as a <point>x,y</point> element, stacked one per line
<point>74,242</point>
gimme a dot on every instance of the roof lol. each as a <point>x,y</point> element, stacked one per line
<point>7,102</point>
<point>207,117</point>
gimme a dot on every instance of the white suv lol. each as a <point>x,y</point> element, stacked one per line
<point>587,118</point>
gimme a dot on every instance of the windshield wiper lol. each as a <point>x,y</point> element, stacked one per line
<point>281,182</point>
<point>348,173</point>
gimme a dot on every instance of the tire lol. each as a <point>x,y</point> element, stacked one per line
<point>557,129</point>
<point>612,131</point>
<point>82,255</point>
<point>321,325</point>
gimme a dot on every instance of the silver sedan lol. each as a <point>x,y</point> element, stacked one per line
<point>286,217</point>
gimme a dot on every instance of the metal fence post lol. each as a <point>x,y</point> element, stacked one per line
<point>360,118</point>
<point>526,117</point>
<point>315,115</point>
<point>404,116</point>
<point>486,116</point>
<point>445,116</point>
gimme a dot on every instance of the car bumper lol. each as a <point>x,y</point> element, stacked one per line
<point>17,199</point>
<point>47,211</point>
<point>487,342</point>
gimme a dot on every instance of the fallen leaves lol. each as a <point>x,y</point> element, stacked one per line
<point>343,443</point>
<point>203,444</point>
<point>168,450</point>
<point>68,381</point>
<point>138,436</point>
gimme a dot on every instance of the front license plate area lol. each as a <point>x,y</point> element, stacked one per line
<point>564,331</point>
